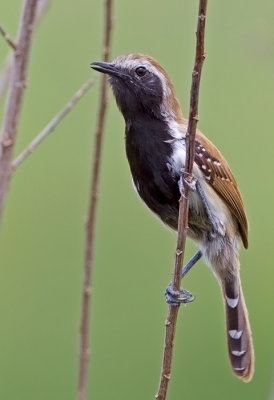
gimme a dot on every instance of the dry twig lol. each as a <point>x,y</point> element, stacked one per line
<point>183,209</point>
<point>7,38</point>
<point>15,97</point>
<point>42,6</point>
<point>90,224</point>
<point>4,76</point>
<point>52,124</point>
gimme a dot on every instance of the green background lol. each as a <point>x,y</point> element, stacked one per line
<point>42,235</point>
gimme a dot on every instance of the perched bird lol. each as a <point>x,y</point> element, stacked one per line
<point>155,145</point>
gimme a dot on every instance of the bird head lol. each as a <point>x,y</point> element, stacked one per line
<point>141,85</point>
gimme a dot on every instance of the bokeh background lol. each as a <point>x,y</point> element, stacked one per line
<point>42,235</point>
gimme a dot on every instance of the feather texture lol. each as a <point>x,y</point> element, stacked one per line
<point>239,340</point>
<point>156,151</point>
<point>219,176</point>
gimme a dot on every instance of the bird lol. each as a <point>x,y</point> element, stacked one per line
<point>155,140</point>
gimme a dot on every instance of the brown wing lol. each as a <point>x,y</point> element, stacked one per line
<point>218,174</point>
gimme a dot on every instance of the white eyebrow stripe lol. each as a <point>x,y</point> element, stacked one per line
<point>234,334</point>
<point>130,63</point>
<point>232,303</point>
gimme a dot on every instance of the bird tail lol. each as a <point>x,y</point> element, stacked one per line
<point>239,339</point>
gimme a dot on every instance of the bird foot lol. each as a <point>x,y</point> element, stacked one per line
<point>192,185</point>
<point>177,297</point>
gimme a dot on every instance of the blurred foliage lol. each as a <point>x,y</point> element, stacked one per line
<point>42,236</point>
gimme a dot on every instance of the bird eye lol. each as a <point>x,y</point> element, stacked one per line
<point>141,71</point>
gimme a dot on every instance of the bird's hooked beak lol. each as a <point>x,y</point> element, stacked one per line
<point>106,68</point>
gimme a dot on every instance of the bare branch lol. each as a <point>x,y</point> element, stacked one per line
<point>52,124</point>
<point>5,76</point>
<point>42,6</point>
<point>15,97</point>
<point>7,38</point>
<point>90,224</point>
<point>183,209</point>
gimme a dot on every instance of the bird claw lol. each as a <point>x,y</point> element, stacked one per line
<point>192,185</point>
<point>177,297</point>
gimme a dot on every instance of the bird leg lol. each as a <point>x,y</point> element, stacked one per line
<point>191,262</point>
<point>177,297</point>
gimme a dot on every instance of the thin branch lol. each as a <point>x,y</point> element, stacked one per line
<point>42,6</point>
<point>15,97</point>
<point>52,124</point>
<point>7,38</point>
<point>183,208</point>
<point>90,224</point>
<point>5,76</point>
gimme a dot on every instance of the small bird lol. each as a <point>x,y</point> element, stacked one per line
<point>155,131</point>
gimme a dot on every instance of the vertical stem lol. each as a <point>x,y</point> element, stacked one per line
<point>183,207</point>
<point>90,224</point>
<point>5,73</point>
<point>18,84</point>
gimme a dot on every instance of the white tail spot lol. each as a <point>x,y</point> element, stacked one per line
<point>232,303</point>
<point>238,353</point>
<point>234,334</point>
<point>239,369</point>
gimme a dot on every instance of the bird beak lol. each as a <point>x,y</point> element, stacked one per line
<point>105,68</point>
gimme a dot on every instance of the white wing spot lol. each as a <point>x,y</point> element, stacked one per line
<point>203,166</point>
<point>217,163</point>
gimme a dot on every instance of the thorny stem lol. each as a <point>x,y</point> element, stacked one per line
<point>90,224</point>
<point>183,208</point>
